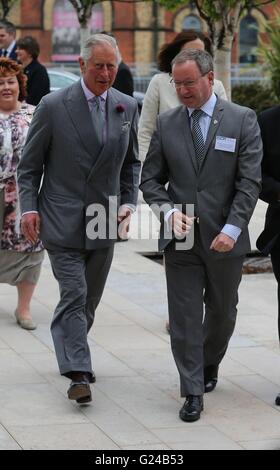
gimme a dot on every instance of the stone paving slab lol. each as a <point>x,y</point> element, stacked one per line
<point>136,397</point>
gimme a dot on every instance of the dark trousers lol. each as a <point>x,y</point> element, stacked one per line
<point>275,259</point>
<point>81,276</point>
<point>194,277</point>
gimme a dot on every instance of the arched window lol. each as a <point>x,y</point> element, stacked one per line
<point>191,22</point>
<point>66,30</point>
<point>248,40</point>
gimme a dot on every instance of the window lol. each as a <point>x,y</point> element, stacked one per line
<point>66,30</point>
<point>191,22</point>
<point>248,40</point>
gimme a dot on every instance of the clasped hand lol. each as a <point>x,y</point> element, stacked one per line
<point>30,227</point>
<point>181,223</point>
<point>222,243</point>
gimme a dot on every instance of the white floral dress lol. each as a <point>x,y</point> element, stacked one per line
<point>16,260</point>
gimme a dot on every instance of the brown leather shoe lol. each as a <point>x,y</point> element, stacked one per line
<point>79,389</point>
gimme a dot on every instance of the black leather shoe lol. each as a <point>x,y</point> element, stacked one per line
<point>192,408</point>
<point>210,378</point>
<point>79,389</point>
<point>93,378</point>
<point>277,400</point>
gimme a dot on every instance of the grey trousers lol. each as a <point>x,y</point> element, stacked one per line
<point>194,278</point>
<point>81,276</point>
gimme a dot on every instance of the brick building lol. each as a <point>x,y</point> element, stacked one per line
<point>140,28</point>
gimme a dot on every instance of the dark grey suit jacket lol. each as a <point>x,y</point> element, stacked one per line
<point>61,147</point>
<point>269,124</point>
<point>227,186</point>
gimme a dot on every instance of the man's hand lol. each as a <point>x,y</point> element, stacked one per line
<point>124,218</point>
<point>181,223</point>
<point>30,227</point>
<point>222,243</point>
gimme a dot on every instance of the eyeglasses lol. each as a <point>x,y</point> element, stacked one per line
<point>186,83</point>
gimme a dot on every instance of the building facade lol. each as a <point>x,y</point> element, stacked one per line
<point>140,28</point>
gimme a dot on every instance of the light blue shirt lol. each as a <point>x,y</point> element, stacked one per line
<point>10,48</point>
<point>205,120</point>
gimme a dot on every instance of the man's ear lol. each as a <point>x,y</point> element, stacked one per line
<point>82,64</point>
<point>211,77</point>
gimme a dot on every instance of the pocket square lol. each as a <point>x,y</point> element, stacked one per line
<point>125,126</point>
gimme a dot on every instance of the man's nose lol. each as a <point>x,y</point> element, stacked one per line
<point>105,69</point>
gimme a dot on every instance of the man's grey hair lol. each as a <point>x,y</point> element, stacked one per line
<point>97,40</point>
<point>202,59</point>
<point>8,26</point>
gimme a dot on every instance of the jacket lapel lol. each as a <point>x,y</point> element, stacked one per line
<point>114,121</point>
<point>78,110</point>
<point>214,126</point>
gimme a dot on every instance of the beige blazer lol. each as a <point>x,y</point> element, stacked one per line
<point>161,96</point>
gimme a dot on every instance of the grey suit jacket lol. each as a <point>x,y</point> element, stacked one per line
<point>61,147</point>
<point>225,189</point>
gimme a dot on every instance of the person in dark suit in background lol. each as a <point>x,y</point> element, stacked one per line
<point>269,239</point>
<point>124,79</point>
<point>38,83</point>
<point>8,40</point>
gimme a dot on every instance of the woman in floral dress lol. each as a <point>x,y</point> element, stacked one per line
<point>20,261</point>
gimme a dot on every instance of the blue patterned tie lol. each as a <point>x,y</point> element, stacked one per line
<point>97,118</point>
<point>198,136</point>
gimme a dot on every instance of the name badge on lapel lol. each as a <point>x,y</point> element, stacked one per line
<point>226,144</point>
<point>125,126</point>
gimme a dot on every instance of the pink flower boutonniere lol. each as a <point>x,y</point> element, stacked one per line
<point>120,108</point>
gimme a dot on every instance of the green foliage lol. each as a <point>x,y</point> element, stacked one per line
<point>271,52</point>
<point>255,96</point>
<point>5,7</point>
<point>172,4</point>
<point>215,9</point>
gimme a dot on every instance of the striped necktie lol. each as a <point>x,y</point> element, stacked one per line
<point>198,136</point>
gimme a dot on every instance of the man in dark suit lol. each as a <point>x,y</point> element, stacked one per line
<point>83,141</point>
<point>209,153</point>
<point>269,239</point>
<point>38,82</point>
<point>8,40</point>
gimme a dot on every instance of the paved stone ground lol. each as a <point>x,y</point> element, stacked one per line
<point>136,396</point>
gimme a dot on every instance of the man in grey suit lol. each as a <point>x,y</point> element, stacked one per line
<point>83,142</point>
<point>209,152</point>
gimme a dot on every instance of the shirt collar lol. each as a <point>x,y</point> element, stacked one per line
<point>89,95</point>
<point>11,46</point>
<point>208,107</point>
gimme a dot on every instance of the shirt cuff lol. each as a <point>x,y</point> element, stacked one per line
<point>231,231</point>
<point>131,207</point>
<point>29,212</point>
<point>169,213</point>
